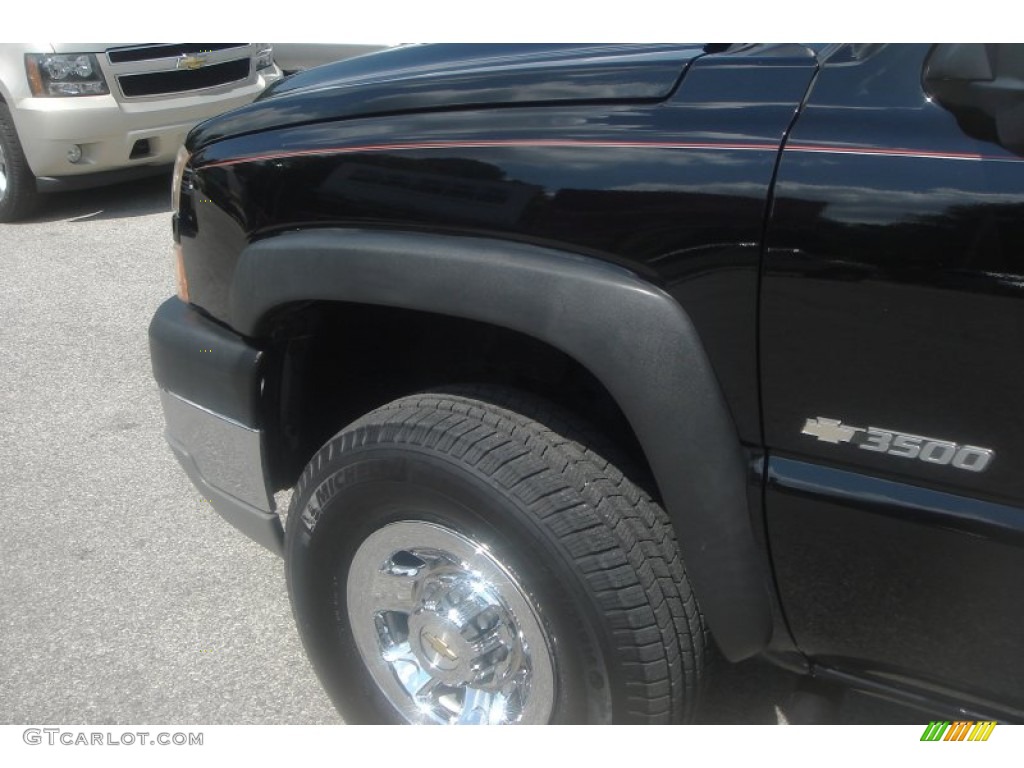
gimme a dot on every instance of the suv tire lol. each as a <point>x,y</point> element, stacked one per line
<point>468,557</point>
<point>17,184</point>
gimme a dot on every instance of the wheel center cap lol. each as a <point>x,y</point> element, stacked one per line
<point>438,649</point>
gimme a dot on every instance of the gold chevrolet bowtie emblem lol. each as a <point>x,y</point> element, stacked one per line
<point>440,646</point>
<point>191,62</point>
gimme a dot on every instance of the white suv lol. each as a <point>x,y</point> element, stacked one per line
<point>84,114</point>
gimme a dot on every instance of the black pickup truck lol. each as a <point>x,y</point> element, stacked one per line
<point>585,361</point>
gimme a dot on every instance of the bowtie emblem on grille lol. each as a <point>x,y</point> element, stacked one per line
<point>191,62</point>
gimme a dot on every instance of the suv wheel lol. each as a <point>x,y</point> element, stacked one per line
<point>467,557</point>
<point>17,184</point>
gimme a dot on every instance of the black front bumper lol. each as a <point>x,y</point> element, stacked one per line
<point>210,383</point>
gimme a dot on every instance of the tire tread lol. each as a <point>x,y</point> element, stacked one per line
<point>620,541</point>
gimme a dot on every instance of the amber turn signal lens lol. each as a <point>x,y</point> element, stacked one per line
<point>179,273</point>
<point>35,79</point>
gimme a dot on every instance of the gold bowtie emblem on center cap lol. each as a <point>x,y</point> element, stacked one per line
<point>440,646</point>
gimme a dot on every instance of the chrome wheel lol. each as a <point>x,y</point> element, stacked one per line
<point>446,631</point>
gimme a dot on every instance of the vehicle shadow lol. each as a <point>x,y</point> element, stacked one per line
<point>756,693</point>
<point>752,693</point>
<point>133,198</point>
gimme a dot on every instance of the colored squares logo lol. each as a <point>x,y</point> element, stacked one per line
<point>961,730</point>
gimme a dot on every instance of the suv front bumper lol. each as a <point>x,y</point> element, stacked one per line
<point>109,131</point>
<point>210,387</point>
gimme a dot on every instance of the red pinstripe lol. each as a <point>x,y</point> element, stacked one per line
<point>722,146</point>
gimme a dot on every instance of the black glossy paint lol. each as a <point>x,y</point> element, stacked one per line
<point>843,247</point>
<point>900,584</point>
<point>893,284</point>
<point>445,77</point>
<point>675,190</point>
<point>893,296</point>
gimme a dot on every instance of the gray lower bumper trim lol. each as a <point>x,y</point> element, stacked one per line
<point>224,460</point>
<point>259,525</point>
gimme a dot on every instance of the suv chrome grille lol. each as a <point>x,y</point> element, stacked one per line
<point>166,68</point>
<point>178,80</point>
<point>150,52</point>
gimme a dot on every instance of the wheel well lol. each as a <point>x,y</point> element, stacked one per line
<point>331,362</point>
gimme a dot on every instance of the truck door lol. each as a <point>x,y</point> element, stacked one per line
<point>892,326</point>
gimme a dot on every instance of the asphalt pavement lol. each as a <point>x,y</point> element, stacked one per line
<point>123,598</point>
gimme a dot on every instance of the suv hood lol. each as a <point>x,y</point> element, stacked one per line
<point>430,77</point>
<point>82,47</point>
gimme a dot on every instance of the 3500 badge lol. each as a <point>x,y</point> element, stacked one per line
<point>927,449</point>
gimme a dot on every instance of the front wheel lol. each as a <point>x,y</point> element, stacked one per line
<point>467,558</point>
<point>17,184</point>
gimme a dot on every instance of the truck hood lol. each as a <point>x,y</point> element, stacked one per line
<point>426,77</point>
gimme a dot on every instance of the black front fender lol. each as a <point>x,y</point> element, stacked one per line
<point>632,336</point>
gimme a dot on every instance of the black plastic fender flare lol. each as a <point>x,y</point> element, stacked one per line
<point>632,336</point>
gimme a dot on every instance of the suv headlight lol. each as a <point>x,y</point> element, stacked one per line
<point>264,56</point>
<point>58,74</point>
